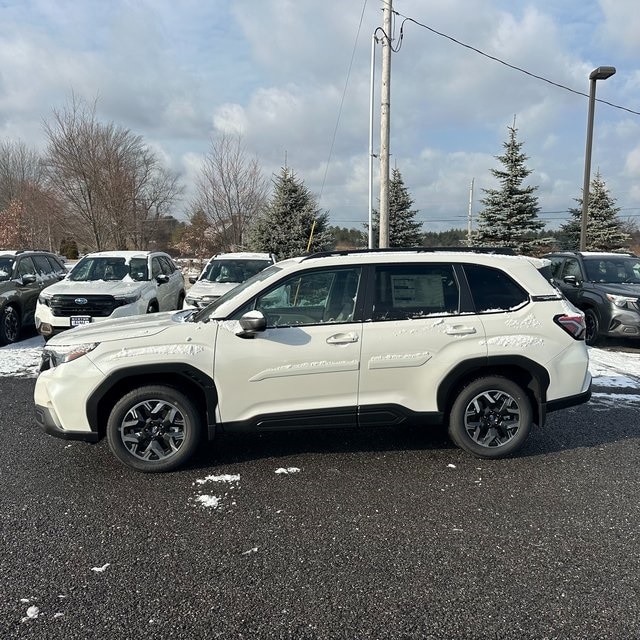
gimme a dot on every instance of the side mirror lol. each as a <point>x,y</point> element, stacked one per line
<point>193,279</point>
<point>28,278</point>
<point>162,278</point>
<point>572,280</point>
<point>251,323</point>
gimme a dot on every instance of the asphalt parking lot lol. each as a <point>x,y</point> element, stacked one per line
<point>388,534</point>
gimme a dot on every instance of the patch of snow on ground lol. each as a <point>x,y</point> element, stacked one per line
<point>606,401</point>
<point>21,359</point>
<point>614,368</point>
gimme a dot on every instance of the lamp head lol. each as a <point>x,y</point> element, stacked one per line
<point>602,73</point>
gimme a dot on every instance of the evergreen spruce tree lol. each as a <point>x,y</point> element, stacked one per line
<point>292,224</point>
<point>510,214</point>
<point>404,229</point>
<point>605,232</point>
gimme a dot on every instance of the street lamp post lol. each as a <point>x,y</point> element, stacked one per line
<point>601,73</point>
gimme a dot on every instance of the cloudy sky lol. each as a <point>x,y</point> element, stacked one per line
<point>293,77</point>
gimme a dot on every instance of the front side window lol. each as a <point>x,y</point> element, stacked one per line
<point>156,268</point>
<point>138,269</point>
<point>324,296</point>
<point>572,268</point>
<point>411,291</point>
<point>26,267</point>
<point>6,268</point>
<point>493,290</point>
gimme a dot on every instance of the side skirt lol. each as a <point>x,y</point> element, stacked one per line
<point>336,418</point>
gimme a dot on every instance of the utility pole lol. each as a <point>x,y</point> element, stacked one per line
<point>470,214</point>
<point>385,114</point>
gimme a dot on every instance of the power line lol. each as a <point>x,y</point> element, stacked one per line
<point>344,91</point>
<point>506,64</point>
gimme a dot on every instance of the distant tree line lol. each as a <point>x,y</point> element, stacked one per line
<point>99,186</point>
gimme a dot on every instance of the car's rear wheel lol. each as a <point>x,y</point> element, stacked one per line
<point>154,428</point>
<point>592,334</point>
<point>491,417</point>
<point>10,325</point>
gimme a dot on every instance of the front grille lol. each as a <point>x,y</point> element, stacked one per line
<point>64,306</point>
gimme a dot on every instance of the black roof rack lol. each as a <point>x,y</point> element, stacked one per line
<point>346,252</point>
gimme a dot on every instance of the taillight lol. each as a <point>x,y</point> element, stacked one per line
<point>574,325</point>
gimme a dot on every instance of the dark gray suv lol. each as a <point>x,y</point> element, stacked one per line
<point>23,275</point>
<point>605,286</point>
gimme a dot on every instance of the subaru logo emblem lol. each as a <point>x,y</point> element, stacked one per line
<point>81,301</point>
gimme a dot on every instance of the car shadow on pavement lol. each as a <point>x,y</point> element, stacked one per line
<point>229,449</point>
<point>593,425</point>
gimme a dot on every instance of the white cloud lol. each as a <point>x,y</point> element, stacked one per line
<point>276,71</point>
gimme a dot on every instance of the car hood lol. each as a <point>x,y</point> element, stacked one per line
<point>129,328</point>
<point>97,287</point>
<point>208,288</point>
<point>618,289</point>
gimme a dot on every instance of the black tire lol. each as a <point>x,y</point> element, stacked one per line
<point>10,325</point>
<point>592,334</point>
<point>491,417</point>
<point>154,429</point>
<point>180,301</point>
<point>152,307</point>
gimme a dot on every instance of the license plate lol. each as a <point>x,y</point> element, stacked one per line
<point>76,321</point>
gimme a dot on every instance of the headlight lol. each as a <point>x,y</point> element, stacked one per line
<point>623,302</point>
<point>121,301</point>
<point>52,356</point>
<point>44,298</point>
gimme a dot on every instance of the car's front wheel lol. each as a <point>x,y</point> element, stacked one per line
<point>154,429</point>
<point>491,417</point>
<point>10,325</point>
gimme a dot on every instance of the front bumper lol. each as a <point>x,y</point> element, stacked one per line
<point>45,420</point>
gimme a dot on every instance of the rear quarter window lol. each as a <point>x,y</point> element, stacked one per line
<point>494,290</point>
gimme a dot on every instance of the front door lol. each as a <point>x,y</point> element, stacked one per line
<point>302,371</point>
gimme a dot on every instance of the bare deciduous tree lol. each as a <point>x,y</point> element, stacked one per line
<point>231,190</point>
<point>108,178</point>
<point>24,191</point>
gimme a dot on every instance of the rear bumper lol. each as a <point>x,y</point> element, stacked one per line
<point>570,401</point>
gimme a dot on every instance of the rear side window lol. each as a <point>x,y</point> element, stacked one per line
<point>493,290</point>
<point>411,291</point>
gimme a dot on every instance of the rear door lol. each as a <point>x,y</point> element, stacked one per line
<point>419,327</point>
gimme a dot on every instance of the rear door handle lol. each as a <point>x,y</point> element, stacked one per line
<point>460,330</point>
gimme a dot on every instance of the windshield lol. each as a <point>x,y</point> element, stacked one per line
<point>6,267</point>
<point>233,270</point>
<point>209,310</point>
<point>617,270</point>
<point>109,268</point>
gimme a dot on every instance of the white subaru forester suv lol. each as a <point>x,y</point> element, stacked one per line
<point>110,284</point>
<point>478,341</point>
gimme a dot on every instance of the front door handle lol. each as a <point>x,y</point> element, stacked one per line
<point>342,338</point>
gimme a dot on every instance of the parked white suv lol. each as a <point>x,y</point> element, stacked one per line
<point>223,272</point>
<point>110,284</point>
<point>479,341</point>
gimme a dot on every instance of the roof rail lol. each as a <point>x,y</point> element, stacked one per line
<point>346,252</point>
